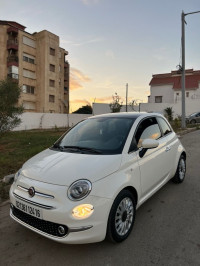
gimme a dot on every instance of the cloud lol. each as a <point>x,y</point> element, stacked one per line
<point>102,99</point>
<point>110,54</point>
<point>89,2</point>
<point>80,43</point>
<point>80,101</point>
<point>76,79</point>
<point>94,40</point>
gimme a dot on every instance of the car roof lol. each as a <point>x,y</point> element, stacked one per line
<point>126,115</point>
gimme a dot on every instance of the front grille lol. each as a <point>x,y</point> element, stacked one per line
<point>42,225</point>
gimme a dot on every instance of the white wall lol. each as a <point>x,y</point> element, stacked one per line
<point>191,107</point>
<point>48,120</point>
<point>166,91</point>
<point>104,108</point>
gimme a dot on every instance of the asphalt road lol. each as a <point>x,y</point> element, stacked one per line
<point>166,231</point>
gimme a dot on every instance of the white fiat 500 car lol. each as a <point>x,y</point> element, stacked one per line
<point>89,184</point>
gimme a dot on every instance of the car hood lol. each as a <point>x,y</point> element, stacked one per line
<point>63,168</point>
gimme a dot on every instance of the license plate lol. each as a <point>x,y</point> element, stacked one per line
<point>29,209</point>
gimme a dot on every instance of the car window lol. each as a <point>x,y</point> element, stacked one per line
<point>164,126</point>
<point>148,129</point>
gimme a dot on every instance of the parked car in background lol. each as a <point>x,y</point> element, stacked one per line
<point>193,118</point>
<point>89,184</point>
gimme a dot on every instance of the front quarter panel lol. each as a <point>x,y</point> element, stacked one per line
<point>128,175</point>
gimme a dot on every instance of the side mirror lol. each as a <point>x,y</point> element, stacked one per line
<point>147,144</point>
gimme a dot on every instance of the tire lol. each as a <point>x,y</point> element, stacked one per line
<point>180,172</point>
<point>121,217</point>
<point>193,121</point>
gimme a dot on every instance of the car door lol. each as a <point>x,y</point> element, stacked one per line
<point>198,118</point>
<point>154,167</point>
<point>172,143</point>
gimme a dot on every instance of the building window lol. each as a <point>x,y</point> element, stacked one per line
<point>52,83</point>
<point>187,94</point>
<point>60,55</point>
<point>158,99</point>
<point>51,98</point>
<point>52,68</point>
<point>28,41</point>
<point>28,89</point>
<point>28,58</point>
<point>29,105</point>
<point>59,82</point>
<point>59,68</point>
<point>52,51</point>
<point>29,74</point>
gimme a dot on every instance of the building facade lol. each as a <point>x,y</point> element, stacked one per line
<point>166,88</point>
<point>39,66</point>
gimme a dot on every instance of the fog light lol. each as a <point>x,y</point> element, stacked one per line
<point>61,230</point>
<point>83,211</point>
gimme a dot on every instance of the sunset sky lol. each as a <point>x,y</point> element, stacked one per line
<point>113,42</point>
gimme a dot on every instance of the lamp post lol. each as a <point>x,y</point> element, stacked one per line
<point>183,15</point>
<point>126,97</point>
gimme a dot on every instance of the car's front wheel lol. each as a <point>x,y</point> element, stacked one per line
<point>181,170</point>
<point>122,216</point>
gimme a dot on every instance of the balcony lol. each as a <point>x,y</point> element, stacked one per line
<point>12,44</point>
<point>66,76</point>
<point>12,60</point>
<point>12,30</point>
<point>66,64</point>
<point>65,90</point>
<point>13,76</point>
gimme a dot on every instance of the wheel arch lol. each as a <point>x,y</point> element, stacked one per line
<point>184,154</point>
<point>133,192</point>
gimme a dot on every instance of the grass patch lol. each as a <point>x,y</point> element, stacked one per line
<point>18,147</point>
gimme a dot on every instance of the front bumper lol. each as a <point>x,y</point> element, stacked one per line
<point>57,211</point>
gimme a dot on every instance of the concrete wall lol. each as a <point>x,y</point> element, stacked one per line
<point>191,107</point>
<point>166,91</point>
<point>48,120</point>
<point>104,108</point>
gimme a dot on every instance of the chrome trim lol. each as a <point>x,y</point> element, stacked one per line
<point>36,193</point>
<point>78,229</point>
<point>34,203</point>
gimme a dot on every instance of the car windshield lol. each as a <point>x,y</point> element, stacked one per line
<point>103,135</point>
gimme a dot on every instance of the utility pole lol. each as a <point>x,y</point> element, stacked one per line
<point>126,97</point>
<point>183,69</point>
<point>183,22</point>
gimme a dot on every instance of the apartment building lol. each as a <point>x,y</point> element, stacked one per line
<point>39,66</point>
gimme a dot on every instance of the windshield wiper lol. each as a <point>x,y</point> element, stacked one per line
<point>57,146</point>
<point>82,149</point>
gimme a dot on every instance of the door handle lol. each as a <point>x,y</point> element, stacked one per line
<point>167,148</point>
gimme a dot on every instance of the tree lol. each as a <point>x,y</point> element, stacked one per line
<point>116,106</point>
<point>9,111</point>
<point>169,113</point>
<point>86,109</point>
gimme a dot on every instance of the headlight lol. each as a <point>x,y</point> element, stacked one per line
<point>79,190</point>
<point>17,175</point>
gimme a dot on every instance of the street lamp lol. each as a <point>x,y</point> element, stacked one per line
<point>183,15</point>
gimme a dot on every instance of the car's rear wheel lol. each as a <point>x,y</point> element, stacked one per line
<point>181,170</point>
<point>122,217</point>
<point>193,121</point>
